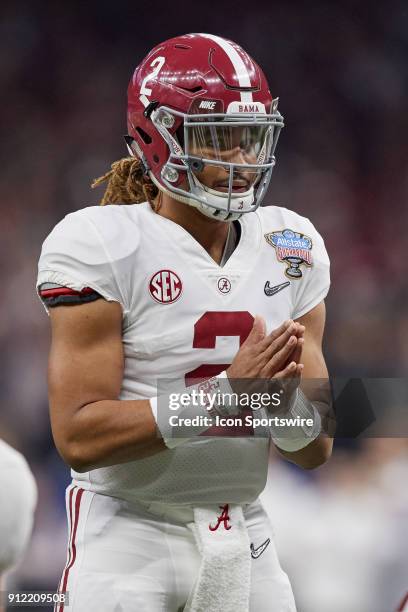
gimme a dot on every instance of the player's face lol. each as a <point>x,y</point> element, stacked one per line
<point>232,144</point>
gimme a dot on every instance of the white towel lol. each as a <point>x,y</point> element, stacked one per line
<point>223,583</point>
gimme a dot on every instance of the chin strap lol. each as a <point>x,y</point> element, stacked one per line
<point>215,213</point>
<point>211,195</point>
<point>205,209</point>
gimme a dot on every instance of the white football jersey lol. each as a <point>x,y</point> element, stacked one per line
<point>183,314</point>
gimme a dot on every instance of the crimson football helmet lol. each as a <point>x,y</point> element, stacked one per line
<point>198,102</point>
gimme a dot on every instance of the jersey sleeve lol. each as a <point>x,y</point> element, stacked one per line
<point>314,285</point>
<point>77,257</point>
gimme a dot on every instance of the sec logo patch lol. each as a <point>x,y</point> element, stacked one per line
<point>165,287</point>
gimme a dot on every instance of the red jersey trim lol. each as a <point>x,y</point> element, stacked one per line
<point>56,291</point>
<point>54,296</point>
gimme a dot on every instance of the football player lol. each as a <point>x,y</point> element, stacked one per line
<point>18,502</point>
<point>182,276</point>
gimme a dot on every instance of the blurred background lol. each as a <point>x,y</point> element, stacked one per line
<point>340,72</point>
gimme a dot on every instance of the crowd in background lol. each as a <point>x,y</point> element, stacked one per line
<point>339,70</point>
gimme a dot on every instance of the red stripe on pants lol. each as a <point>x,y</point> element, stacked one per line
<point>69,510</point>
<point>74,526</point>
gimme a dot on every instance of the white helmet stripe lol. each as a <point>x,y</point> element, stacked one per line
<point>237,62</point>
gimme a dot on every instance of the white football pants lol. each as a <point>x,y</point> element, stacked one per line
<point>125,557</point>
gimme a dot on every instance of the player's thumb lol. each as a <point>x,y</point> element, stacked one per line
<point>258,330</point>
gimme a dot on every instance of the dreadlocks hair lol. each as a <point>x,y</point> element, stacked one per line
<point>127,183</point>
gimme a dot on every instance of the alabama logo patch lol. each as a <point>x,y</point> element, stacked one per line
<point>293,249</point>
<point>224,285</point>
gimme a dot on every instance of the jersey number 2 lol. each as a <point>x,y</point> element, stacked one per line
<point>206,330</point>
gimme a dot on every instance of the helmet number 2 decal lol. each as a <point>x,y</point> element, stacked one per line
<point>157,64</point>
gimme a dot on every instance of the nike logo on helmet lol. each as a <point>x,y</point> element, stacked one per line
<point>257,552</point>
<point>272,290</point>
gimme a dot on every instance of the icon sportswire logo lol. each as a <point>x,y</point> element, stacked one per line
<point>257,552</point>
<point>268,290</point>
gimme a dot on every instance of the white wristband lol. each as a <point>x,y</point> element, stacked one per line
<point>292,438</point>
<point>188,421</point>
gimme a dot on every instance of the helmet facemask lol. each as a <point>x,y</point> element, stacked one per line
<point>211,145</point>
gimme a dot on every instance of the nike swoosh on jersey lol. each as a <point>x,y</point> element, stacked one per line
<point>275,289</point>
<point>257,552</point>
